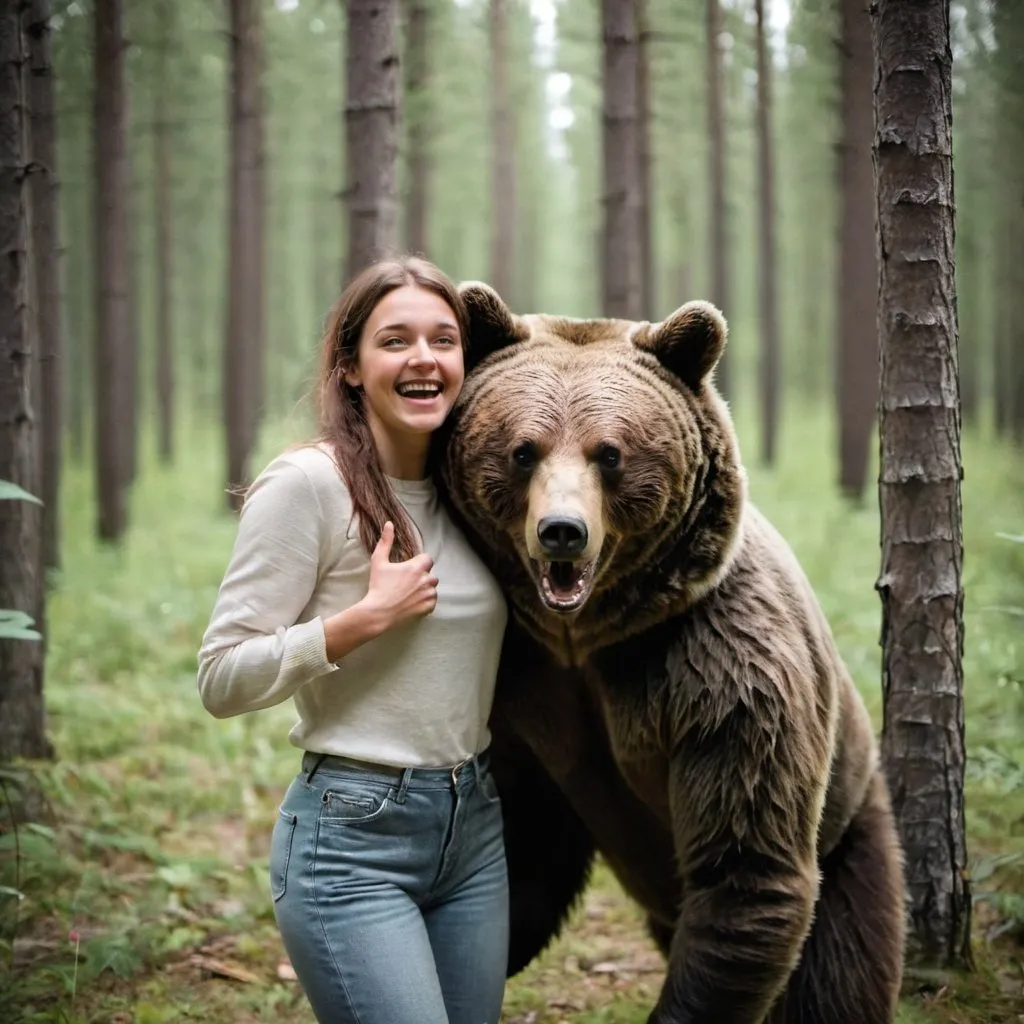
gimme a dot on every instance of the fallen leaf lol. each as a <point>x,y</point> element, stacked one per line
<point>224,969</point>
<point>566,1004</point>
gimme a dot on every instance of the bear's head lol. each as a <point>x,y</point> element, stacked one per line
<point>595,465</point>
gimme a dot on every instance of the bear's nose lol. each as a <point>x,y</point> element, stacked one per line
<point>562,537</point>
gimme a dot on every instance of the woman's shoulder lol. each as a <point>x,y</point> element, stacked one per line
<point>314,459</point>
<point>305,468</point>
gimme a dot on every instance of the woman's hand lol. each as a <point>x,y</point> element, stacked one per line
<point>400,591</point>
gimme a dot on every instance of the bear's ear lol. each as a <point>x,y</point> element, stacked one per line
<point>688,343</point>
<point>492,325</point>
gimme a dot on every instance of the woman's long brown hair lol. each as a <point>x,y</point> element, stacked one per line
<point>342,418</point>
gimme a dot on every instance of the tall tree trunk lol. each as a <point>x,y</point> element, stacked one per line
<point>81,308</point>
<point>128,431</point>
<point>503,157</point>
<point>856,365</point>
<point>46,268</point>
<point>22,716</point>
<point>719,219</point>
<point>197,312</point>
<point>110,238</point>
<point>769,305</point>
<point>242,380</point>
<point>1008,22</point>
<point>971,266</point>
<point>975,111</point>
<point>529,263</point>
<point>645,202</point>
<point>919,486</point>
<point>371,130</point>
<point>418,126</point>
<point>621,237</point>
<point>328,252</point>
<point>163,201</point>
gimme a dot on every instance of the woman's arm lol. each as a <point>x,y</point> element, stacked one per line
<point>253,654</point>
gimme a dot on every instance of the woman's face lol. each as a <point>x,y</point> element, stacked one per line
<point>409,364</point>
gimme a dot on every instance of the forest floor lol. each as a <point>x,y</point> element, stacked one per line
<point>144,891</point>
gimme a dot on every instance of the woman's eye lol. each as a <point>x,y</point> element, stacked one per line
<point>394,342</point>
<point>445,340</point>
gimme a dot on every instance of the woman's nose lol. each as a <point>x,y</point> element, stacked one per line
<point>422,352</point>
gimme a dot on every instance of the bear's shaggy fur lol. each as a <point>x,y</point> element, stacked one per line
<point>670,694</point>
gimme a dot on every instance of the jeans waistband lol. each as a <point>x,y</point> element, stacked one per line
<point>312,762</point>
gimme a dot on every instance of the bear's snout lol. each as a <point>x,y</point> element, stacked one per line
<point>562,537</point>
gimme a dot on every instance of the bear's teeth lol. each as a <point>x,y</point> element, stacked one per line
<point>565,583</point>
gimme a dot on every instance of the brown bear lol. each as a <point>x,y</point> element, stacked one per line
<point>670,694</point>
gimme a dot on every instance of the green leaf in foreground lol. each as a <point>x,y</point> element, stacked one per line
<point>15,625</point>
<point>12,492</point>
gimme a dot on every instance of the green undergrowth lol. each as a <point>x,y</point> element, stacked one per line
<point>143,895</point>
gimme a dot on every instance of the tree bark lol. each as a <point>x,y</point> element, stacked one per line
<point>856,380</point>
<point>163,201</point>
<point>919,486</point>
<point>22,715</point>
<point>198,311</point>
<point>81,309</point>
<point>645,173</point>
<point>719,219</point>
<point>371,130</point>
<point>530,261</point>
<point>503,157</point>
<point>128,431</point>
<point>418,128</point>
<point>768,292</point>
<point>110,237</point>
<point>328,250</point>
<point>244,350</point>
<point>621,236</point>
<point>46,258</point>
<point>1008,23</point>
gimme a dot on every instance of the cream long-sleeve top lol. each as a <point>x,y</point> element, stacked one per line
<point>417,695</point>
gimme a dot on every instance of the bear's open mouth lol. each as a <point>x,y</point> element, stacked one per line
<point>564,586</point>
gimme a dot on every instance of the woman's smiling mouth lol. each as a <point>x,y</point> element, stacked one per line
<point>420,390</point>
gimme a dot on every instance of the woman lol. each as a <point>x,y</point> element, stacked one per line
<point>350,591</point>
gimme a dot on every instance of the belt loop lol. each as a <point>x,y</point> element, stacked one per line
<point>456,771</point>
<point>403,786</point>
<point>318,759</point>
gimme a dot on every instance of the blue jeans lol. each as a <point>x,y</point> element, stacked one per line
<point>391,892</point>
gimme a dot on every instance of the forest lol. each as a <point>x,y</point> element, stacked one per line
<point>185,187</point>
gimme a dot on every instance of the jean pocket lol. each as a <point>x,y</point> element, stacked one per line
<point>281,852</point>
<point>354,804</point>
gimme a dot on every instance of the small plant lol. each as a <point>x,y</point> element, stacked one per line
<point>15,625</point>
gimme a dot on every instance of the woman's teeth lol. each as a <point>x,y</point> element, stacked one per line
<point>419,390</point>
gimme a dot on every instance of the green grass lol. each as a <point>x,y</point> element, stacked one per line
<point>155,852</point>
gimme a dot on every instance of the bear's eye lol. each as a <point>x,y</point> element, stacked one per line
<point>525,455</point>
<point>609,457</point>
